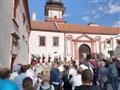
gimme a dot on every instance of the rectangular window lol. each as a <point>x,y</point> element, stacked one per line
<point>111,53</point>
<point>55,41</point>
<point>15,38</point>
<point>108,43</point>
<point>23,15</point>
<point>42,41</point>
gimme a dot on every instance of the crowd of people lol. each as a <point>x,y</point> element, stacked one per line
<point>90,74</point>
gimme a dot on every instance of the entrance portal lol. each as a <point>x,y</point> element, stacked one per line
<point>84,51</point>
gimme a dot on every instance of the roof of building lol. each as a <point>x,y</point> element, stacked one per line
<point>72,28</point>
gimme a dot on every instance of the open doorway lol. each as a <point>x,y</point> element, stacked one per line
<point>84,52</point>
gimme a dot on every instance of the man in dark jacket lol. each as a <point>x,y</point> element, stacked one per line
<point>87,77</point>
<point>55,76</point>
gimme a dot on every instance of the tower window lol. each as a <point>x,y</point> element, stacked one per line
<point>55,41</point>
<point>42,41</point>
<point>55,17</point>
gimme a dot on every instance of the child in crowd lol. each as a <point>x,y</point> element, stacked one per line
<point>27,84</point>
<point>45,85</point>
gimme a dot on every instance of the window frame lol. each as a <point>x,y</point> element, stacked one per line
<point>24,18</point>
<point>42,41</point>
<point>15,39</point>
<point>108,45</point>
<point>55,41</point>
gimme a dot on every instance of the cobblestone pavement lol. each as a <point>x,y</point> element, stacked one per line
<point>110,87</point>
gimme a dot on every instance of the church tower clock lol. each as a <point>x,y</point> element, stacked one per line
<point>54,11</point>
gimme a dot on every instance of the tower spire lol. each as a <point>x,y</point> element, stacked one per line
<point>54,11</point>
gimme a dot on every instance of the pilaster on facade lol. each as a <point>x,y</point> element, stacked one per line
<point>75,50</point>
<point>69,46</point>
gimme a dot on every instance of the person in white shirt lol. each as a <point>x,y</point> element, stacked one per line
<point>72,70</point>
<point>16,70</point>
<point>76,79</point>
<point>31,73</point>
<point>38,80</point>
<point>86,65</point>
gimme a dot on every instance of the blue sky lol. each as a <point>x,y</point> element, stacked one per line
<point>102,12</point>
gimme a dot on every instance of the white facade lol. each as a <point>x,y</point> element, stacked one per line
<point>98,47</point>
<point>67,47</point>
<point>112,47</point>
<point>48,49</point>
<point>117,46</point>
<point>7,28</point>
<point>55,13</point>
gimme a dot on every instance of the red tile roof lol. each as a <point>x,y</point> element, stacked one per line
<point>44,26</point>
<point>72,28</point>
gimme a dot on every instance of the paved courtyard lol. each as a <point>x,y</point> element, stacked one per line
<point>110,87</point>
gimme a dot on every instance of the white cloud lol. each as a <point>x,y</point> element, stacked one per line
<point>93,11</point>
<point>113,8</point>
<point>98,13</point>
<point>97,16</point>
<point>101,8</point>
<point>93,1</point>
<point>67,15</point>
<point>86,18</point>
<point>108,8</point>
<point>116,24</point>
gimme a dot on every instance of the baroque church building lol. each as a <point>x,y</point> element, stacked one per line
<point>54,38</point>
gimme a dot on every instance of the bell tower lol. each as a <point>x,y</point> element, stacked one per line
<point>54,11</point>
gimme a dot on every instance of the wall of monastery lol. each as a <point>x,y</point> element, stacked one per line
<point>48,49</point>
